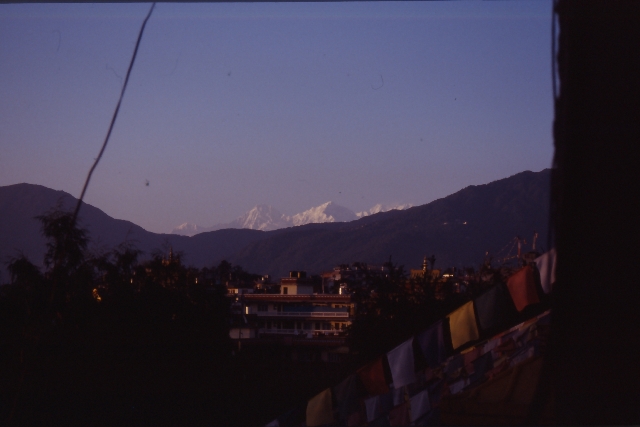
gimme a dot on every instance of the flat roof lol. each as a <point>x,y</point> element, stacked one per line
<point>310,297</point>
<point>306,316</point>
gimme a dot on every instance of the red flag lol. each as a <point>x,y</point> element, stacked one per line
<point>372,377</point>
<point>400,415</point>
<point>522,288</point>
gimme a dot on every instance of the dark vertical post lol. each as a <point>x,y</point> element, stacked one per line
<point>594,347</point>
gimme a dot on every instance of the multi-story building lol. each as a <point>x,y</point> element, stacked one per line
<point>301,316</point>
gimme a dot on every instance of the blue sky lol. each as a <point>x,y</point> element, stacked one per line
<point>289,104</point>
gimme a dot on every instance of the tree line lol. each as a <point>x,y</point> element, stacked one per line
<point>108,338</point>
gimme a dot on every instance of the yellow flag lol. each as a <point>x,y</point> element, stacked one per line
<point>320,410</point>
<point>463,325</point>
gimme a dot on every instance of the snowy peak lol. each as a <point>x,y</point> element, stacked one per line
<point>327,212</point>
<point>267,218</point>
<point>188,229</point>
<point>261,217</point>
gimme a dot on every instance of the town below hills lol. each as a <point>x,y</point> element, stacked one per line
<point>460,230</point>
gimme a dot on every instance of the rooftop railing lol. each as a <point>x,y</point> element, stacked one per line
<point>299,332</point>
<point>304,313</point>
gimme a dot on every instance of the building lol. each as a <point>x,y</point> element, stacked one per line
<point>345,279</point>
<point>425,272</point>
<point>313,324</point>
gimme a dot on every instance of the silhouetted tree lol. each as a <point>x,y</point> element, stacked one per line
<point>392,308</point>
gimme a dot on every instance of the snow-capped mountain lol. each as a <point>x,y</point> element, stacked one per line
<point>189,229</point>
<point>383,208</point>
<point>327,212</point>
<point>267,218</point>
<point>261,217</point>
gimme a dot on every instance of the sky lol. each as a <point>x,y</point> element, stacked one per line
<point>231,105</point>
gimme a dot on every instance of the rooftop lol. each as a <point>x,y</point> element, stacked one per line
<point>310,297</point>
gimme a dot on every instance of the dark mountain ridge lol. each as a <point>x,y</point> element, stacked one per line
<point>20,231</point>
<point>458,229</point>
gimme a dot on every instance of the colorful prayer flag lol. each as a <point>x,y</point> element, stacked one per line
<point>372,377</point>
<point>400,415</point>
<point>494,307</point>
<point>402,365</point>
<point>431,342</point>
<point>320,410</point>
<point>522,288</point>
<point>546,264</point>
<point>463,325</point>
<point>346,395</point>
<point>420,405</point>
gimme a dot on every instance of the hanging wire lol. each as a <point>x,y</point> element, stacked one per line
<point>77,210</point>
<point>115,115</point>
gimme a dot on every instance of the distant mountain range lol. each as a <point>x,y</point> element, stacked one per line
<point>457,229</point>
<point>267,218</point>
